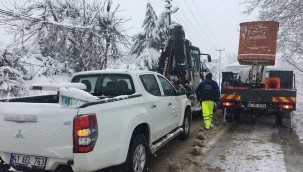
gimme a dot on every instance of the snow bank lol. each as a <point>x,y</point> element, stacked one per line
<point>298,114</point>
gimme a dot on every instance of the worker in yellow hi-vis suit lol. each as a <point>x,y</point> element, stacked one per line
<point>208,94</point>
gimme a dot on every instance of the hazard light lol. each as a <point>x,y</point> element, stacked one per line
<point>272,83</point>
<point>227,104</point>
<point>286,106</point>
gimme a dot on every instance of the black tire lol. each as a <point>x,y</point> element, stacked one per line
<point>186,125</point>
<point>279,119</point>
<point>138,149</point>
<point>3,166</point>
<point>64,168</point>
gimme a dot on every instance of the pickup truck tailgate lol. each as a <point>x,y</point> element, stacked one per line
<point>40,129</point>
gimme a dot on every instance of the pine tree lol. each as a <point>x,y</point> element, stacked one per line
<point>146,39</point>
<point>161,29</point>
<point>149,25</point>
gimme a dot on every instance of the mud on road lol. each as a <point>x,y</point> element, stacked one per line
<point>180,155</point>
<point>254,144</point>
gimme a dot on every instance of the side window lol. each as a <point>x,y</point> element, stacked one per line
<point>150,84</point>
<point>168,89</point>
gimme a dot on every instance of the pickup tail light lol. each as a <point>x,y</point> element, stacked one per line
<point>227,104</point>
<point>85,133</point>
<point>286,106</point>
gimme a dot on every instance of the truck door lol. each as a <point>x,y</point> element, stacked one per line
<point>157,105</point>
<point>172,100</point>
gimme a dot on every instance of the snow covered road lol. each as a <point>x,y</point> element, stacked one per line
<point>255,146</point>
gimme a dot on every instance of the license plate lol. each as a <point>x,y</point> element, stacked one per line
<point>256,105</point>
<point>28,160</point>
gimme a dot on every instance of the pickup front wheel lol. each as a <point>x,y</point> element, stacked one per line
<point>137,154</point>
<point>186,125</point>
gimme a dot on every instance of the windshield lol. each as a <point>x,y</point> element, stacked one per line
<point>109,85</point>
<point>195,61</point>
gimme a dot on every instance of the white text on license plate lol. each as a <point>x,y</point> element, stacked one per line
<point>256,105</point>
<point>28,160</point>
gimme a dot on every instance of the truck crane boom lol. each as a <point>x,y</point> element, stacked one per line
<point>180,62</point>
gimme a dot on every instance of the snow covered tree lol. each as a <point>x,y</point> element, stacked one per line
<point>146,39</point>
<point>149,25</point>
<point>289,14</point>
<point>146,44</point>
<point>11,82</point>
<point>82,32</point>
<point>161,29</point>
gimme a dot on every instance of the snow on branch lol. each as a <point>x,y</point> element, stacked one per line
<point>83,32</point>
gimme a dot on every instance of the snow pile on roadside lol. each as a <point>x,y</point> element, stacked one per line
<point>298,114</point>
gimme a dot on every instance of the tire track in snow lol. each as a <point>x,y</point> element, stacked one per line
<point>249,147</point>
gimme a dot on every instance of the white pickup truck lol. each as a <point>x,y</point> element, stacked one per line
<point>120,118</point>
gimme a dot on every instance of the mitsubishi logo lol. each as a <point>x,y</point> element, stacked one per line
<point>19,135</point>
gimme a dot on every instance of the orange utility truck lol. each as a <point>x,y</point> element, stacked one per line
<point>257,87</point>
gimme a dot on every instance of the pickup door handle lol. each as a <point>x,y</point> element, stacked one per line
<point>169,104</point>
<point>153,106</point>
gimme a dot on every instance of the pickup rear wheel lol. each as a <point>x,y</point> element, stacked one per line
<point>137,154</point>
<point>186,125</point>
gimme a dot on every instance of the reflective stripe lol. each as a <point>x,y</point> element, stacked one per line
<point>207,117</point>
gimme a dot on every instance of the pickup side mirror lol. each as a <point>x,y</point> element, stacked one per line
<point>181,91</point>
<point>208,58</point>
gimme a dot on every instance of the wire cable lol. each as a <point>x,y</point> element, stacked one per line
<point>198,22</point>
<point>194,32</point>
<point>194,26</point>
<point>192,29</point>
<point>205,22</point>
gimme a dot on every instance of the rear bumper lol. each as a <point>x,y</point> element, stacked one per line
<point>259,99</point>
<point>268,106</point>
<point>82,162</point>
<point>51,163</point>
<point>94,160</point>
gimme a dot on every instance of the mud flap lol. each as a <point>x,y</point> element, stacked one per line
<point>291,122</point>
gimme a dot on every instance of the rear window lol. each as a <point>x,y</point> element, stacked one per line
<point>109,85</point>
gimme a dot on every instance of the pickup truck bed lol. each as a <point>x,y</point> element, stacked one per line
<point>121,115</point>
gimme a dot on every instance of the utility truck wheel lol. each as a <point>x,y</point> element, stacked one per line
<point>186,125</point>
<point>137,154</point>
<point>279,119</point>
<point>227,118</point>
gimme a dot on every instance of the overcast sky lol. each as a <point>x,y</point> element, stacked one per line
<point>209,24</point>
